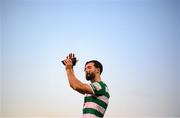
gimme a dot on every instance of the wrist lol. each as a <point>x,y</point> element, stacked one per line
<point>69,67</point>
<point>69,71</point>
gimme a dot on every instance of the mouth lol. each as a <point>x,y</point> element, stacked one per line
<point>90,76</point>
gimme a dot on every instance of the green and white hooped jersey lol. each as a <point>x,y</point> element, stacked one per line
<point>96,104</point>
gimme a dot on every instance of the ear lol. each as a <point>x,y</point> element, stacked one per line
<point>98,70</point>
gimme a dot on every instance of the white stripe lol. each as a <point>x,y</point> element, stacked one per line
<point>87,95</point>
<point>94,106</point>
<point>91,89</point>
<point>89,116</point>
<point>104,99</point>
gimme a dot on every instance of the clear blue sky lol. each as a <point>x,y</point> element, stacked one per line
<point>137,41</point>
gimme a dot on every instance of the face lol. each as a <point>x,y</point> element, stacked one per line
<point>90,71</point>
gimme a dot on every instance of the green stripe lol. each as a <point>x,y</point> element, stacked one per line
<point>107,94</point>
<point>97,101</point>
<point>104,86</point>
<point>92,111</point>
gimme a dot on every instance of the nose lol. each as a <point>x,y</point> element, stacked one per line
<point>87,71</point>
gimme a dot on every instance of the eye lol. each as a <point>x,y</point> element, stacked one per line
<point>89,67</point>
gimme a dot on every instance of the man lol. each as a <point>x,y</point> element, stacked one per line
<point>96,93</point>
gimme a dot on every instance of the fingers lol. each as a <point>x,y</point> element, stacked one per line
<point>70,56</point>
<point>67,61</point>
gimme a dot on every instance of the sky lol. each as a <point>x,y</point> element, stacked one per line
<point>137,41</point>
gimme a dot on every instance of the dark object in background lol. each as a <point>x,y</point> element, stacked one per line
<point>74,61</point>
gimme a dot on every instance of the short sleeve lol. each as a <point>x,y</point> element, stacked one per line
<point>98,88</point>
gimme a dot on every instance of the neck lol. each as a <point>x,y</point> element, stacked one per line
<point>96,79</point>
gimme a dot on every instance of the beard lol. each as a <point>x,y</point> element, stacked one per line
<point>90,76</point>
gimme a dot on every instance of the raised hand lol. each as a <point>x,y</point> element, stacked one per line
<point>70,59</point>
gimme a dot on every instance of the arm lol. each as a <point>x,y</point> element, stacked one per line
<point>76,84</point>
<point>73,81</point>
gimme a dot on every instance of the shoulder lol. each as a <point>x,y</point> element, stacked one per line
<point>99,88</point>
<point>98,85</point>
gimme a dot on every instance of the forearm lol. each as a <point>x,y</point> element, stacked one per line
<point>73,81</point>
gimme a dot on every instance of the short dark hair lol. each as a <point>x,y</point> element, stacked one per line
<point>97,64</point>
